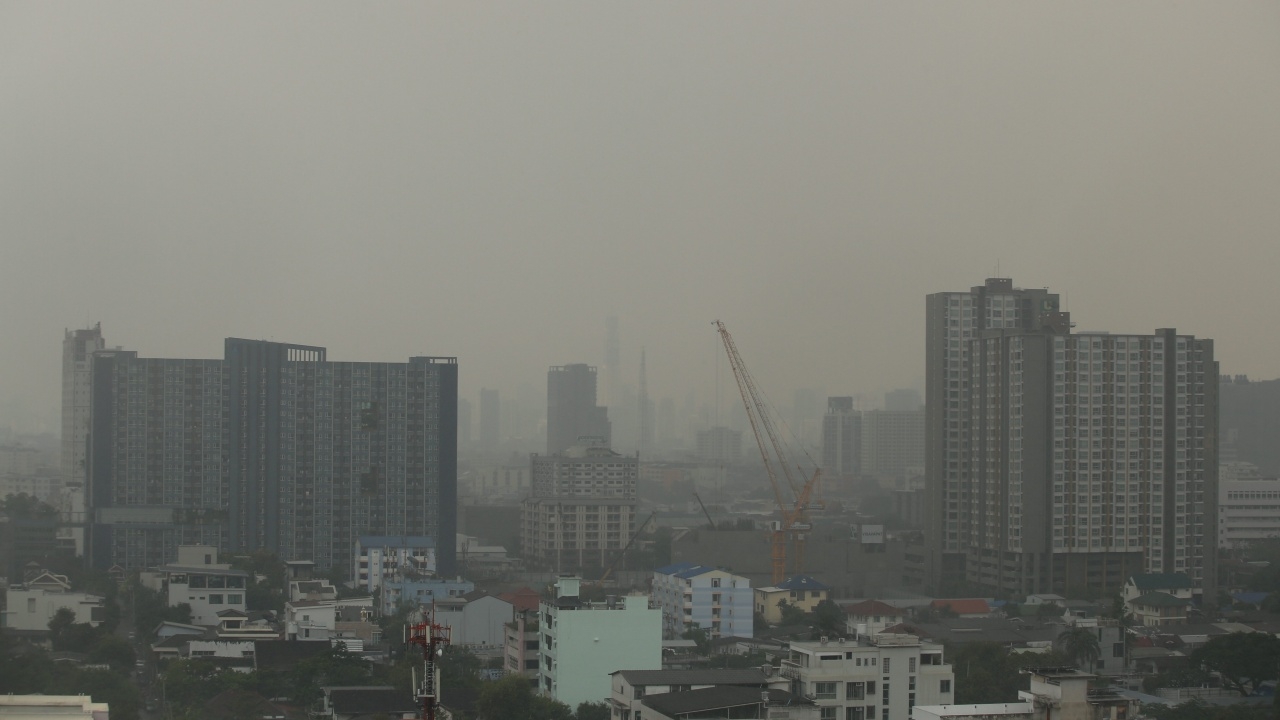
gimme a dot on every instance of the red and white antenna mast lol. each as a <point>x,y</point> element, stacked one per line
<point>432,638</point>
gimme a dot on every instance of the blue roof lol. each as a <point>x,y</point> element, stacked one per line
<point>1249,598</point>
<point>674,568</point>
<point>801,582</point>
<point>397,541</point>
<point>694,571</point>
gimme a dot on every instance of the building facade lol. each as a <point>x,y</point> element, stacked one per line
<point>892,442</point>
<point>379,558</point>
<point>704,597</point>
<point>879,678</point>
<point>841,438</point>
<point>572,412</point>
<point>1248,508</point>
<point>272,448</point>
<point>719,444</point>
<point>78,347</point>
<point>1060,461</point>
<point>584,642</point>
<point>583,508</point>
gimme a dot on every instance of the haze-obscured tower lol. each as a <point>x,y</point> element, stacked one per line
<point>841,438</point>
<point>489,415</point>
<point>78,347</point>
<point>571,408</point>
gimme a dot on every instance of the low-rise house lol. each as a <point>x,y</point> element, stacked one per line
<point>310,620</point>
<point>234,654</point>
<point>521,645</point>
<point>392,558</point>
<point>870,617</point>
<point>699,596</point>
<point>357,622</point>
<point>1063,694</point>
<point>70,707</point>
<point>521,599</point>
<point>350,703</point>
<point>630,688</point>
<point>727,702</point>
<point>1157,608</point>
<point>799,591</point>
<point>313,589</point>
<point>421,592</point>
<point>206,586</point>
<point>33,604</point>
<point>883,676</point>
<point>476,620</point>
<point>1178,585</point>
<point>963,607</point>
<point>239,625</point>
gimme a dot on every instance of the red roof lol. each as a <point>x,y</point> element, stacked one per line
<point>964,606</point>
<point>521,599</point>
<point>872,608</point>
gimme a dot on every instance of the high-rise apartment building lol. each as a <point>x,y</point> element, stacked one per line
<point>892,442</point>
<point>841,438</point>
<point>1064,462</point>
<point>719,444</point>
<point>583,507</point>
<point>571,408</point>
<point>272,448</point>
<point>78,347</point>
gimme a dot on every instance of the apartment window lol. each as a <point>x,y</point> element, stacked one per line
<point>829,713</point>
<point>855,713</point>
<point>824,690</point>
<point>855,691</point>
<point>215,598</point>
<point>31,605</point>
<point>911,665</point>
<point>886,665</point>
<point>944,686</point>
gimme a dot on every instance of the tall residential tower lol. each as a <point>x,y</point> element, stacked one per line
<point>571,408</point>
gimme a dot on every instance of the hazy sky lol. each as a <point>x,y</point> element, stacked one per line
<point>492,180</point>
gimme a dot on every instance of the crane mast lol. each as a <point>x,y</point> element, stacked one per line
<point>794,514</point>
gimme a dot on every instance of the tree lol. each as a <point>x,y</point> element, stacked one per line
<point>512,697</point>
<point>701,639</point>
<point>1243,660</point>
<point>828,619</point>
<point>791,615</point>
<point>1079,645</point>
<point>592,711</point>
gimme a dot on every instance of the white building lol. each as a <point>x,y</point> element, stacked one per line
<point>584,642</point>
<point>583,507</point>
<point>207,586</point>
<point>1248,506</point>
<point>1055,694</point>
<point>477,619</point>
<point>33,605</point>
<point>871,617</point>
<point>382,558</point>
<point>705,597</point>
<point>310,619</point>
<point>880,677</point>
<point>68,707</point>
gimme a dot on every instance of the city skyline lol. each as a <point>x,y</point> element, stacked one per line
<point>805,177</point>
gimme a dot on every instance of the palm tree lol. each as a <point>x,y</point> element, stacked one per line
<point>1079,645</point>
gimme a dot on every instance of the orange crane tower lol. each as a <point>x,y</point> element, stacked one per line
<point>795,512</point>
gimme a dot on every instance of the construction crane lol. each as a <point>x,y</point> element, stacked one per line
<point>794,508</point>
<point>711,523</point>
<point>432,638</point>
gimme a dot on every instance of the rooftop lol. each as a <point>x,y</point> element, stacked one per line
<point>872,608</point>
<point>716,698</point>
<point>1159,599</point>
<point>712,676</point>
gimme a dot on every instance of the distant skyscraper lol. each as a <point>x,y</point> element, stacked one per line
<point>892,442</point>
<point>571,408</point>
<point>841,438</point>
<point>271,448</point>
<point>1063,462</point>
<point>464,423</point>
<point>903,400</point>
<point>720,444</point>
<point>612,362</point>
<point>78,347</point>
<point>646,411</point>
<point>489,414</point>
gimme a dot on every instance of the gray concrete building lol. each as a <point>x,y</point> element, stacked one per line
<point>841,439</point>
<point>582,510</point>
<point>572,411</point>
<point>1063,462</point>
<point>273,447</point>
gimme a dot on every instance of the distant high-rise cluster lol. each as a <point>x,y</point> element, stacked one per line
<point>1059,461</point>
<point>572,412</point>
<point>78,347</point>
<point>877,443</point>
<point>274,448</point>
